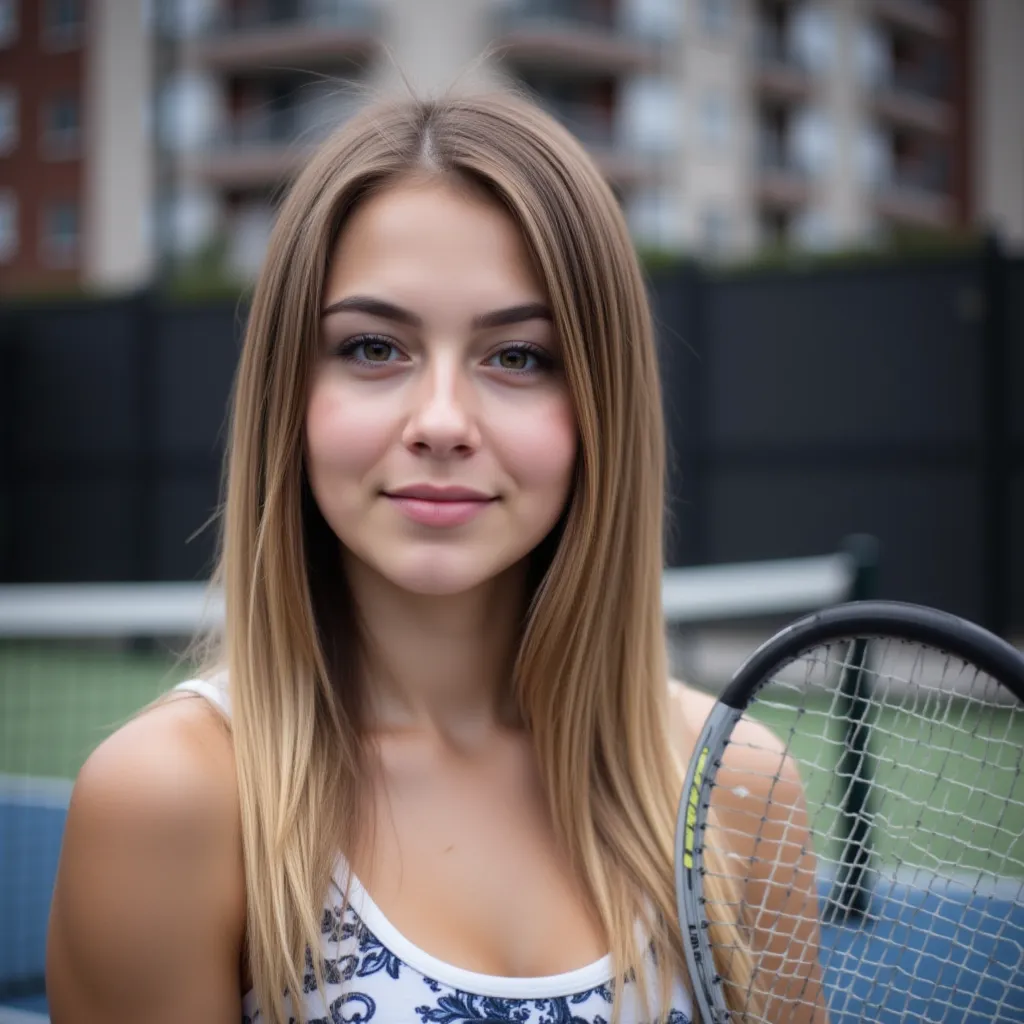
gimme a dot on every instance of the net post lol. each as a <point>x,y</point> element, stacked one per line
<point>849,897</point>
<point>863,551</point>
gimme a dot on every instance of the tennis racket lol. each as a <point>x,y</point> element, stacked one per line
<point>850,841</point>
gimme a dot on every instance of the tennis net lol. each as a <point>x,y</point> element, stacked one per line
<point>77,661</point>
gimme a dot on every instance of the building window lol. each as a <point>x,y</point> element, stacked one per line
<point>872,158</point>
<point>62,126</point>
<point>8,225</point>
<point>814,142</point>
<point>714,232</point>
<point>715,16</point>
<point>714,119</point>
<point>62,23</point>
<point>8,119</point>
<point>250,236</point>
<point>8,22</point>
<point>813,230</point>
<point>61,234</point>
<point>653,220</point>
<point>649,115</point>
<point>814,38</point>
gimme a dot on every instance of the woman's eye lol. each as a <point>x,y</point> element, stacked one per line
<point>369,350</point>
<point>521,359</point>
<point>376,351</point>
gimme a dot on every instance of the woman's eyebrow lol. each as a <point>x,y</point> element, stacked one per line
<point>512,315</point>
<point>373,307</point>
<point>389,311</point>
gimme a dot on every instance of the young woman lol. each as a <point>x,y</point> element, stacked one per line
<point>435,774</point>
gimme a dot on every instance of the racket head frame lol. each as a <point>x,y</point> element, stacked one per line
<point>871,619</point>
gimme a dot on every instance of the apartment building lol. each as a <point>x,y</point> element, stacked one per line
<point>75,163</point>
<point>280,74</point>
<point>722,125</point>
<point>819,124</point>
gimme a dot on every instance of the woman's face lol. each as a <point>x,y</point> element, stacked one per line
<point>440,436</point>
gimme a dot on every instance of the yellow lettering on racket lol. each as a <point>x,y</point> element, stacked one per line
<point>691,809</point>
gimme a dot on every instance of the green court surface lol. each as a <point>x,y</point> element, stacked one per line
<point>58,702</point>
<point>948,786</point>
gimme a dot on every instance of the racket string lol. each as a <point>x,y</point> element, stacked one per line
<point>941,835</point>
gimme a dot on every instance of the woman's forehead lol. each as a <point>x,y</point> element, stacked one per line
<point>422,243</point>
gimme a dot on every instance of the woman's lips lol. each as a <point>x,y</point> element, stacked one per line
<point>438,507</point>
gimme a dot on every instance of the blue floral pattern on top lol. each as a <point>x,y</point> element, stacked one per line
<point>367,983</point>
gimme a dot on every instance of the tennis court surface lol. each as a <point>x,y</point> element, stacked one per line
<point>58,700</point>
<point>60,696</point>
<point>947,960</point>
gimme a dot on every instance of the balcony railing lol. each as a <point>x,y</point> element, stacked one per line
<point>917,193</point>
<point>573,11</point>
<point>596,128</point>
<point>774,50</point>
<point>571,34</point>
<point>265,147</point>
<point>916,98</point>
<point>783,181</point>
<point>303,34</point>
<point>591,126</point>
<point>782,71</point>
<point>774,157</point>
<point>285,126</point>
<point>930,81</point>
<point>350,14</point>
<point>927,17</point>
<point>925,176</point>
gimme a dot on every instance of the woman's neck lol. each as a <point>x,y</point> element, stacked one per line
<point>439,663</point>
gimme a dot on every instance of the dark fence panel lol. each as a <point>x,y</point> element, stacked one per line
<point>807,406</point>
<point>113,438</point>
<point>7,434</point>
<point>677,300</point>
<point>1015,550</point>
<point>818,365</point>
<point>851,401</point>
<point>929,522</point>
<point>800,408</point>
<point>1014,298</point>
<point>198,349</point>
<point>1014,399</point>
<point>77,443</point>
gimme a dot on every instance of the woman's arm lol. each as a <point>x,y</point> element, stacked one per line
<point>768,816</point>
<point>760,805</point>
<point>148,910</point>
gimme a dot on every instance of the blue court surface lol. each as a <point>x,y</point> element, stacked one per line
<point>949,954</point>
<point>920,955</point>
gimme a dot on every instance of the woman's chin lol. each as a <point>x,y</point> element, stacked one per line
<point>439,582</point>
<point>448,574</point>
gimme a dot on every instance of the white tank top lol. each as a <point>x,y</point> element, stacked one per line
<point>375,975</point>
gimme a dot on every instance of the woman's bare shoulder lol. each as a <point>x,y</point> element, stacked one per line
<point>171,764</point>
<point>690,708</point>
<point>149,904</point>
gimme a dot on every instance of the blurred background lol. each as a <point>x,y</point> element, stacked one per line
<point>828,200</point>
<point>148,136</point>
<point>828,197</point>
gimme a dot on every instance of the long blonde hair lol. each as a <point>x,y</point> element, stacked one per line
<point>591,673</point>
